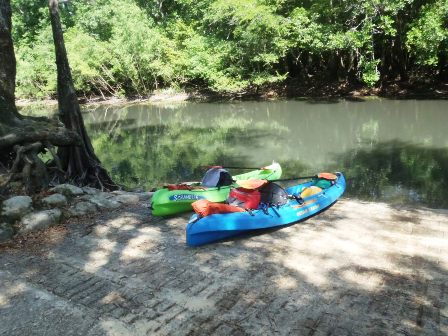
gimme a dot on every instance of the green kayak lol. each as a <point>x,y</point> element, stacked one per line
<point>167,202</point>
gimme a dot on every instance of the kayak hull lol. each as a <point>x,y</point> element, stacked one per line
<point>170,202</point>
<point>221,226</point>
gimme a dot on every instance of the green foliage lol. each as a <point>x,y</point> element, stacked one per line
<point>256,36</point>
<point>36,68</point>
<point>29,17</point>
<point>428,36</point>
<point>131,47</point>
<point>202,59</point>
<point>138,49</point>
<point>370,74</point>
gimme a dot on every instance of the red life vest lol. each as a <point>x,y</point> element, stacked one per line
<point>244,198</point>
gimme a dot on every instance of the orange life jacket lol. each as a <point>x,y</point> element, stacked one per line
<point>206,208</point>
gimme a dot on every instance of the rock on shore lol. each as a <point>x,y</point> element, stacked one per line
<point>21,214</point>
<point>16,207</point>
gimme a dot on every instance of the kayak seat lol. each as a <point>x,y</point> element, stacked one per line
<point>273,194</point>
<point>216,177</point>
<point>310,191</point>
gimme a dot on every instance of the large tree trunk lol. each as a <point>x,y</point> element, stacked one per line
<point>22,138</point>
<point>8,111</point>
<point>79,163</point>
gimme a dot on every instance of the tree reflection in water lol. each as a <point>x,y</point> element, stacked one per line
<point>156,154</point>
<point>397,170</point>
<point>149,145</point>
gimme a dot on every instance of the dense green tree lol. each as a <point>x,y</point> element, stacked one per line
<point>131,47</point>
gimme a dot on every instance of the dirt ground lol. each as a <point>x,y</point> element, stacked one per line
<point>357,269</point>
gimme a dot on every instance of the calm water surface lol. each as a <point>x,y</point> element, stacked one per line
<point>393,150</point>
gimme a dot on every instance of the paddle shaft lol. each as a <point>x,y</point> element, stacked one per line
<point>326,176</point>
<point>232,167</point>
<point>295,178</point>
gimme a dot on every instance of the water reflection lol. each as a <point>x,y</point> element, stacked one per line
<point>176,151</point>
<point>389,149</point>
<point>399,171</point>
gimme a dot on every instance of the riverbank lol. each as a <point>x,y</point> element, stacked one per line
<point>317,90</point>
<point>156,97</point>
<point>359,268</point>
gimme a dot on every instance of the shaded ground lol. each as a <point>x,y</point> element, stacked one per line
<point>357,269</point>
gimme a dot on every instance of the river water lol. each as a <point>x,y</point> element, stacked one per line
<point>389,150</point>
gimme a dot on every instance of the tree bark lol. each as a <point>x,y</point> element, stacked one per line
<point>79,163</point>
<point>8,110</point>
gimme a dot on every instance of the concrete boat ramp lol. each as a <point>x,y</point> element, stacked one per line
<point>359,268</point>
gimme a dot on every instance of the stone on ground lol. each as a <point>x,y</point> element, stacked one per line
<point>145,196</point>
<point>82,208</point>
<point>90,190</point>
<point>55,200</point>
<point>102,202</point>
<point>6,232</point>
<point>40,220</point>
<point>126,198</point>
<point>68,190</point>
<point>16,207</point>
<point>119,192</point>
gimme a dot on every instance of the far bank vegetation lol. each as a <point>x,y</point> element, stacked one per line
<point>131,47</point>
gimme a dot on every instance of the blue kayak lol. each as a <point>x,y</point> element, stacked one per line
<point>221,226</point>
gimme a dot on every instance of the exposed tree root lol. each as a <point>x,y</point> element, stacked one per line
<point>23,140</point>
<point>20,147</point>
<point>42,130</point>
